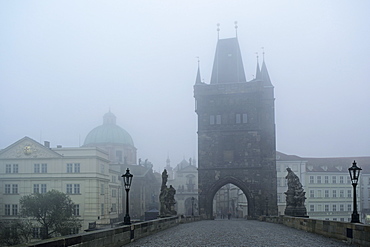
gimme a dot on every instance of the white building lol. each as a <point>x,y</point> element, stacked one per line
<point>28,167</point>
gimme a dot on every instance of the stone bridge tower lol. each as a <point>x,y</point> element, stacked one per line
<point>236,132</point>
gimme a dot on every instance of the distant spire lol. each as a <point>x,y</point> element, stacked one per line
<point>258,71</point>
<point>264,73</point>
<point>198,80</point>
<point>236,28</point>
<point>218,30</point>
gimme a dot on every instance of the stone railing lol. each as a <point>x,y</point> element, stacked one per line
<point>116,236</point>
<point>350,232</point>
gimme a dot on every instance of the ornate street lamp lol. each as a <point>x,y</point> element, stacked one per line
<point>354,173</point>
<point>127,179</point>
<point>192,206</point>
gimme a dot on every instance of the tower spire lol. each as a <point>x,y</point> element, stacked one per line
<point>236,28</point>
<point>258,71</point>
<point>264,73</point>
<point>218,30</point>
<point>198,80</point>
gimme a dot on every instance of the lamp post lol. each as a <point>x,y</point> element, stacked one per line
<point>192,206</point>
<point>354,173</point>
<point>127,179</point>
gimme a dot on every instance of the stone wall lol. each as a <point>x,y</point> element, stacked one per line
<point>116,236</point>
<point>350,232</point>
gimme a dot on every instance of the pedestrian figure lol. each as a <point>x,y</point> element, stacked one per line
<point>229,215</point>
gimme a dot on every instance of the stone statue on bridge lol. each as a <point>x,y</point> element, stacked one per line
<point>167,198</point>
<point>295,196</point>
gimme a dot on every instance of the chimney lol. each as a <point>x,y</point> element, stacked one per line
<point>47,144</point>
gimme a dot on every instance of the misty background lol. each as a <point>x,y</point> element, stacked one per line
<point>64,64</point>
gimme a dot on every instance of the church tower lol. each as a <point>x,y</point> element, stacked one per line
<point>236,132</point>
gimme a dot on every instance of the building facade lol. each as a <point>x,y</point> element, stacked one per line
<point>327,184</point>
<point>27,167</point>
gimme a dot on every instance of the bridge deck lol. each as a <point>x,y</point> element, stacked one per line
<point>235,233</point>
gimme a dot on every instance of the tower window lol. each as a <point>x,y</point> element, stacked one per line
<point>241,118</point>
<point>218,119</point>
<point>212,119</point>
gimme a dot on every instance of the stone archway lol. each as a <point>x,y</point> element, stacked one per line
<point>220,183</point>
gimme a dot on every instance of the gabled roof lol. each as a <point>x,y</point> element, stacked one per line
<point>228,65</point>
<point>27,148</point>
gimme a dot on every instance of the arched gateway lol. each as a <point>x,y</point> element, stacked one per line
<point>236,132</point>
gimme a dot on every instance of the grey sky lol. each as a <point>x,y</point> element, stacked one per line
<point>64,64</point>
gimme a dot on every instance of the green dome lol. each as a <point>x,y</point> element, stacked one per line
<point>108,132</point>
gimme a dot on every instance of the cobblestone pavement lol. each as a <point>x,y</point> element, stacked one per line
<point>235,233</point>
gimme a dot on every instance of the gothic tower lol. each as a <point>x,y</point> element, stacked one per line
<point>236,132</point>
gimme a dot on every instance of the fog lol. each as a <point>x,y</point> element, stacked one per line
<point>64,64</point>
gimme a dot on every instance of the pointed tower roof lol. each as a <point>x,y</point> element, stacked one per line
<point>258,71</point>
<point>265,75</point>
<point>198,80</point>
<point>228,65</point>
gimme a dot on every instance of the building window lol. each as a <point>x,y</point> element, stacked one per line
<point>335,219</point>
<point>36,232</point>
<point>349,193</point>
<point>114,207</point>
<point>349,207</point>
<point>7,189</point>
<point>44,168</point>
<point>319,179</point>
<point>36,168</point>
<point>341,193</point>
<point>341,219</point>
<point>334,208</point>
<point>77,167</point>
<point>319,194</point>
<point>14,188</point>
<point>238,118</point>
<point>349,180</point>
<point>8,168</point>
<point>102,189</point>
<point>76,209</point>
<point>7,209</point>
<point>212,119</point>
<point>245,118</point>
<point>69,189</point>
<point>114,193</point>
<point>326,193</point>
<point>334,180</point>
<point>43,189</point>
<point>36,188</point>
<point>76,188</point>
<point>114,179</point>
<point>341,207</point>
<point>334,193</point>
<point>319,208</point>
<point>14,209</point>
<point>312,208</point>
<point>341,180</point>
<point>69,168</point>
<point>241,118</point>
<point>312,193</point>
<point>326,179</point>
<point>102,209</point>
<point>326,208</point>
<point>311,180</point>
<point>218,119</point>
<point>102,168</point>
